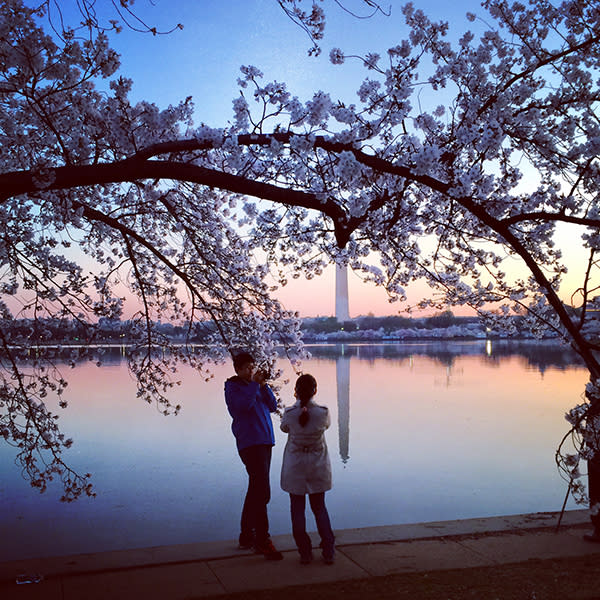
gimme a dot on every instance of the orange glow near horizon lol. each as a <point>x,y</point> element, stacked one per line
<point>316,297</point>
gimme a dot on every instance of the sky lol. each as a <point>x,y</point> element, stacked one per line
<point>219,36</point>
<point>203,59</point>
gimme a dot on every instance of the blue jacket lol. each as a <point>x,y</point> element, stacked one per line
<point>250,405</point>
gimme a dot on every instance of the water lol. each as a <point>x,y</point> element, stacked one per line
<point>420,432</point>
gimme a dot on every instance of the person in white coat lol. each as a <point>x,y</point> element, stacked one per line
<point>306,468</point>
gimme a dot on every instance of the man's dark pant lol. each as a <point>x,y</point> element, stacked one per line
<point>255,522</point>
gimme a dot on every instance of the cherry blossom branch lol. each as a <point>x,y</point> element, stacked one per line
<point>584,289</point>
<point>24,182</point>
<point>95,215</point>
<point>551,59</point>
<point>581,344</point>
<point>550,216</point>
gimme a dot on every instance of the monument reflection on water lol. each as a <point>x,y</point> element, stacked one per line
<point>425,431</point>
<point>342,379</point>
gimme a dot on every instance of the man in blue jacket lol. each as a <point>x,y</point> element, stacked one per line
<point>250,401</point>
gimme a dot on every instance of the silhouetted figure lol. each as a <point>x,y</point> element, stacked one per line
<point>306,468</point>
<point>250,401</point>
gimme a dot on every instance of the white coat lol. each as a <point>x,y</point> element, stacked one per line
<point>306,468</point>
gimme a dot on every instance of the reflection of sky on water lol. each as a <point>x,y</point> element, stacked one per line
<point>424,432</point>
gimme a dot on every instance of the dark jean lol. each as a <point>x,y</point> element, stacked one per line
<point>298,509</point>
<point>255,522</point>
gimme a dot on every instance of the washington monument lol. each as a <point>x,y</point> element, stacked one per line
<point>342,312</point>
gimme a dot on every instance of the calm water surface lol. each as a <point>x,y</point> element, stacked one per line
<point>420,432</point>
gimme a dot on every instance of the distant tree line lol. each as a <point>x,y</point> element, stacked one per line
<point>387,324</point>
<point>44,331</point>
<point>48,331</point>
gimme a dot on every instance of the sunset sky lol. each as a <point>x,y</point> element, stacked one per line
<point>203,61</point>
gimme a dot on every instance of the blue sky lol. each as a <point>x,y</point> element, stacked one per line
<point>219,36</point>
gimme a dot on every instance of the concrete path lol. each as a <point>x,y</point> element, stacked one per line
<point>216,568</point>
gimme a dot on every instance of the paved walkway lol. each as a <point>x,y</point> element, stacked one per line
<point>211,569</point>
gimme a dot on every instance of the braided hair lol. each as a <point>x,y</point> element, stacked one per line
<point>306,388</point>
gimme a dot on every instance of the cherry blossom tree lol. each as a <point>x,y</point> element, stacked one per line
<point>456,161</point>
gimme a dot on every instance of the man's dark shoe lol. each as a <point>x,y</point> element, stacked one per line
<point>592,537</point>
<point>306,559</point>
<point>269,551</point>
